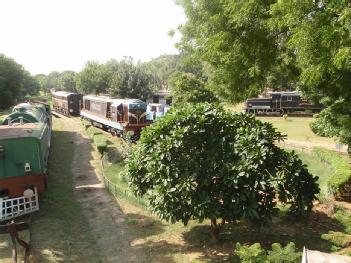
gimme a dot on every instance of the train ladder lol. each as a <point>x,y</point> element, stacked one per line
<point>14,207</point>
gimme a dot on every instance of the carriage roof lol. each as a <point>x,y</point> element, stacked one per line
<point>63,93</point>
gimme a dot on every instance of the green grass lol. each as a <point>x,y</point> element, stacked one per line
<point>317,167</point>
<point>297,128</point>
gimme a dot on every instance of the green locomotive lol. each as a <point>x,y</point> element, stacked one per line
<point>25,137</point>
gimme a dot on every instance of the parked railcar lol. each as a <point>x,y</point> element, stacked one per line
<point>67,103</point>
<point>25,137</point>
<point>122,117</point>
<point>280,103</point>
<point>155,111</point>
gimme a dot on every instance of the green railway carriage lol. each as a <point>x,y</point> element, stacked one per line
<point>24,150</point>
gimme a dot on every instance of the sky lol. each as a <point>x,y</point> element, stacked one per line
<point>57,35</point>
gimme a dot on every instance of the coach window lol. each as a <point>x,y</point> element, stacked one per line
<point>87,104</point>
<point>289,98</point>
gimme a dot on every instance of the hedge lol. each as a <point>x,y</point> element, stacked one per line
<point>100,143</point>
<point>342,169</point>
<point>99,139</point>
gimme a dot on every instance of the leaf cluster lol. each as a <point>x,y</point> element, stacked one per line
<point>278,254</point>
<point>201,162</point>
<point>342,170</point>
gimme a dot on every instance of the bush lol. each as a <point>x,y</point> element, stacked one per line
<point>342,168</point>
<point>86,124</point>
<point>100,143</point>
<point>200,162</point>
<point>339,239</point>
<point>256,254</point>
<point>92,131</point>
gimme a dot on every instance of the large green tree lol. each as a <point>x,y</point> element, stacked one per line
<point>93,78</point>
<point>319,35</point>
<point>11,81</point>
<point>201,162</point>
<point>235,39</point>
<point>30,85</point>
<point>187,88</point>
<point>131,81</point>
<point>67,81</point>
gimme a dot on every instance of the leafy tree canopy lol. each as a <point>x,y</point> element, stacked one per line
<point>93,78</point>
<point>67,81</point>
<point>187,88</point>
<point>131,81</point>
<point>200,162</point>
<point>234,38</point>
<point>15,82</point>
<point>319,33</point>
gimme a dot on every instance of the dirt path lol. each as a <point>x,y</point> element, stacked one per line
<point>107,221</point>
<point>310,145</point>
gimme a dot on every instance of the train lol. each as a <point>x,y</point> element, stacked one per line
<point>67,103</point>
<point>25,139</point>
<point>121,117</point>
<point>279,103</point>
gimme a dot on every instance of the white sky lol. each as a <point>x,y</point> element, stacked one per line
<point>47,35</point>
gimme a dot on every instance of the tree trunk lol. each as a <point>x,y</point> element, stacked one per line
<point>216,229</point>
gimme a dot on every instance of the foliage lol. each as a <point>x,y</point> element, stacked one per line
<point>67,81</point>
<point>201,162</point>
<point>344,218</point>
<point>319,36</point>
<point>30,85</point>
<point>250,254</point>
<point>254,45</point>
<point>93,78</point>
<point>96,135</point>
<point>335,122</point>
<point>278,254</point>
<point>100,143</point>
<point>342,169</point>
<point>339,239</point>
<point>162,68</point>
<point>234,38</point>
<point>131,81</point>
<point>187,88</point>
<point>15,82</point>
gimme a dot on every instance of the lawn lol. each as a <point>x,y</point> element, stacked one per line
<point>297,128</point>
<point>316,167</point>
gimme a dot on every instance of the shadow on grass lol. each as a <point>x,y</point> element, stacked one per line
<point>304,232</point>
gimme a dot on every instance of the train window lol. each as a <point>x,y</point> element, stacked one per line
<point>289,98</point>
<point>87,104</point>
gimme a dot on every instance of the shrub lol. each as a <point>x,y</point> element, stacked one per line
<point>256,254</point>
<point>92,131</point>
<point>342,168</point>
<point>200,162</point>
<point>86,124</point>
<point>339,239</point>
<point>100,143</point>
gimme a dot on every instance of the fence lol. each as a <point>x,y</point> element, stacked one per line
<point>119,190</point>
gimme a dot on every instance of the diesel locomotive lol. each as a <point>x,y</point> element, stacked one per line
<point>25,137</point>
<point>280,103</point>
<point>122,117</point>
<point>66,103</point>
